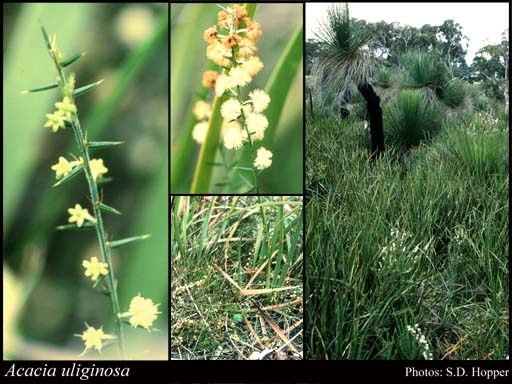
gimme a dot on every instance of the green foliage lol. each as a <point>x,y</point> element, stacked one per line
<point>423,69</point>
<point>342,59</point>
<point>454,93</point>
<point>479,145</point>
<point>412,118</point>
<point>409,239</point>
<point>383,77</point>
<point>255,243</point>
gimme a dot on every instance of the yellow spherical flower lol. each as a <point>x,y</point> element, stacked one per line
<point>98,169</point>
<point>63,167</point>
<point>231,109</point>
<point>199,132</point>
<point>233,135</point>
<point>222,84</point>
<point>66,107</point>
<point>55,121</point>
<point>231,40</point>
<point>246,48</point>
<point>219,54</point>
<point>202,110</point>
<point>142,312</point>
<point>253,65</point>
<point>94,268</point>
<point>260,100</point>
<point>253,31</point>
<point>93,338</point>
<point>263,159</point>
<point>79,215</point>
<point>209,79</point>
<point>256,124</point>
<point>239,77</point>
<point>210,35</point>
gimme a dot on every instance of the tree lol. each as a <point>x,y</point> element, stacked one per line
<point>345,60</point>
<point>490,66</point>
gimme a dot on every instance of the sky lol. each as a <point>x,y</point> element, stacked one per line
<point>482,23</point>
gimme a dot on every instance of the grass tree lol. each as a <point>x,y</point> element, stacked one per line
<point>344,62</point>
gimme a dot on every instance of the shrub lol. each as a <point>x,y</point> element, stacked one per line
<point>412,117</point>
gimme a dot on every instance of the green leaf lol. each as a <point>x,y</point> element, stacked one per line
<point>109,209</point>
<point>39,89</point>
<point>87,225</point>
<point>72,59</point>
<point>104,180</point>
<point>76,170</point>
<point>46,38</point>
<point>203,172</point>
<point>103,144</point>
<point>280,82</point>
<point>128,240</point>
<point>98,281</point>
<point>86,88</point>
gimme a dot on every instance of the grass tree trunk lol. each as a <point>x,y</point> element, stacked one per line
<point>375,113</point>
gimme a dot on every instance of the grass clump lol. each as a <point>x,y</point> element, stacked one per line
<point>412,118</point>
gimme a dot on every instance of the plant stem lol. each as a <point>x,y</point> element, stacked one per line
<point>81,142</point>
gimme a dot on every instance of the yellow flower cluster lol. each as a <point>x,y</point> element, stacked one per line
<point>65,109</point>
<point>142,312</point>
<point>232,46</point>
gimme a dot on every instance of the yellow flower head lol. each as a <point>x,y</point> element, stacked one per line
<point>257,124</point>
<point>210,35</point>
<point>54,50</point>
<point>93,338</point>
<point>231,109</point>
<point>260,100</point>
<point>233,135</point>
<point>231,40</point>
<point>55,121</point>
<point>62,168</point>
<point>94,268</point>
<point>79,215</point>
<point>142,312</point>
<point>202,110</point>
<point>98,169</point>
<point>66,107</point>
<point>263,159</point>
<point>209,79</point>
<point>253,65</point>
<point>199,132</point>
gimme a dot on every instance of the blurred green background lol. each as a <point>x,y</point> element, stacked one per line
<point>188,62</point>
<point>46,296</point>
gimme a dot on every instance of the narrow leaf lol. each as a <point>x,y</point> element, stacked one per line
<point>76,170</point>
<point>103,144</point>
<point>46,38</point>
<point>74,227</point>
<point>86,88</point>
<point>72,59</point>
<point>128,240</point>
<point>280,83</point>
<point>98,281</point>
<point>39,89</point>
<point>104,180</point>
<point>108,209</point>
<point>203,172</point>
